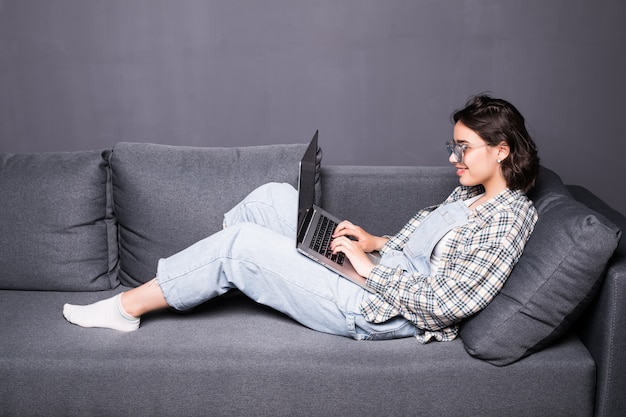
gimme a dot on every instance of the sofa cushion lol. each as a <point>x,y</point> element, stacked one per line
<point>348,193</point>
<point>233,357</point>
<point>168,197</point>
<point>555,279</point>
<point>56,230</point>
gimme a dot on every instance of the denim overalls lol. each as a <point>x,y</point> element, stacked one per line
<point>256,253</point>
<point>415,256</point>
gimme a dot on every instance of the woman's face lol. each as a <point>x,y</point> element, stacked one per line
<point>479,164</point>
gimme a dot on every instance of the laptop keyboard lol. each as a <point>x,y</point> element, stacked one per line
<point>322,237</point>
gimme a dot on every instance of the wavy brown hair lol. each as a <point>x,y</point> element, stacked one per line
<point>496,120</point>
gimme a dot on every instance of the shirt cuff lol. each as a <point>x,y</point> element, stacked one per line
<point>386,246</point>
<point>380,277</point>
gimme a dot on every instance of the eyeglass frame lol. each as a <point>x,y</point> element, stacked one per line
<point>458,149</point>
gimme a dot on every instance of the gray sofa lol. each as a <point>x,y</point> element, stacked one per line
<point>79,227</point>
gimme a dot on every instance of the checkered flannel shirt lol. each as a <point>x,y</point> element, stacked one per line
<point>476,262</point>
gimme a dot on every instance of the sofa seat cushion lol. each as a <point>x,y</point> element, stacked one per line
<point>231,356</point>
<point>57,230</point>
<point>556,278</point>
<point>168,197</point>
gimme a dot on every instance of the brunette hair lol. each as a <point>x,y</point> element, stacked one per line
<point>496,120</point>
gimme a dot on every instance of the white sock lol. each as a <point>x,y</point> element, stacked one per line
<point>107,314</point>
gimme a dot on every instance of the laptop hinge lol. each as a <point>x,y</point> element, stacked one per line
<point>305,224</point>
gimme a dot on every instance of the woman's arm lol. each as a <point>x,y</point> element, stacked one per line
<point>471,275</point>
<point>355,242</point>
<point>366,241</point>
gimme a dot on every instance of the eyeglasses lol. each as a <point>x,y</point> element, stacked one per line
<point>458,149</point>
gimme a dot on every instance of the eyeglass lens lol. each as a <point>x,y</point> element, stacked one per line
<point>456,149</point>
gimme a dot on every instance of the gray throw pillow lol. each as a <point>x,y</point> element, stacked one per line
<point>557,276</point>
<point>57,231</point>
<point>169,197</point>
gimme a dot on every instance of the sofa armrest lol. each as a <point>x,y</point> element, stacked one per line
<point>602,326</point>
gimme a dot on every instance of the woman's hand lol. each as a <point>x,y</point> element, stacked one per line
<point>358,258</point>
<point>366,241</point>
<point>354,242</point>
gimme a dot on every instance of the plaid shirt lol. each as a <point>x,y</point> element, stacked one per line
<point>475,263</point>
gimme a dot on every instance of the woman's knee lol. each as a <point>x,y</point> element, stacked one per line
<point>270,203</point>
<point>272,192</point>
<point>250,240</point>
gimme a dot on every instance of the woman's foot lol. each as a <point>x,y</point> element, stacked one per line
<point>108,314</point>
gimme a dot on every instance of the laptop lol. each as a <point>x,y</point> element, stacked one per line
<point>316,225</point>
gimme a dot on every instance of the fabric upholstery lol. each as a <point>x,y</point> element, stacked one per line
<point>57,231</point>
<point>602,326</point>
<point>556,278</point>
<point>383,199</point>
<point>231,357</point>
<point>168,197</point>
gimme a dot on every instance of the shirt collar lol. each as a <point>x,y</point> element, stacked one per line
<point>504,198</point>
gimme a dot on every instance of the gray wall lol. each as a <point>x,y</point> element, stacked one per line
<point>379,78</point>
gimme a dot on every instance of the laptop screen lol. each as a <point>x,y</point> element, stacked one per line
<point>306,180</point>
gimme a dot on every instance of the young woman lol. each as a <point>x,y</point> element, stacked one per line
<point>447,263</point>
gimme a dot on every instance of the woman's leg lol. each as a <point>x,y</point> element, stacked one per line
<point>272,205</point>
<point>266,267</point>
<point>143,299</point>
<point>263,263</point>
<point>121,312</point>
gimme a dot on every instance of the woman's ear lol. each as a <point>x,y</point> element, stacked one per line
<point>503,151</point>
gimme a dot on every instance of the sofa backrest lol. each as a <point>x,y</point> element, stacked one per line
<point>169,197</point>
<point>88,221</point>
<point>57,230</point>
<point>382,199</point>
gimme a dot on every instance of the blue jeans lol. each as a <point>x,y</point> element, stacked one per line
<point>256,253</point>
